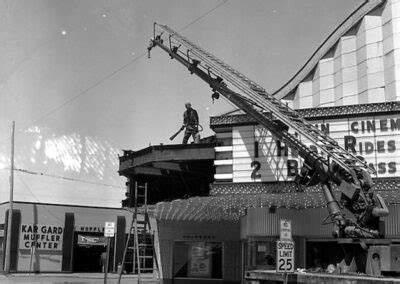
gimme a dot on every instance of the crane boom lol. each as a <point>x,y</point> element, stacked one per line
<point>332,163</point>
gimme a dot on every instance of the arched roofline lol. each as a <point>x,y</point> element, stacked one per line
<point>356,16</point>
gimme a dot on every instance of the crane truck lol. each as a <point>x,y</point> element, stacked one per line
<point>331,164</point>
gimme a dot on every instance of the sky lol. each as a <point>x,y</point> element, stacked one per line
<point>74,70</point>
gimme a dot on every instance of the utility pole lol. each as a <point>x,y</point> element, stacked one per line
<point>9,223</point>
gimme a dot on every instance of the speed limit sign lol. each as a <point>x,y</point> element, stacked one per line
<point>285,256</point>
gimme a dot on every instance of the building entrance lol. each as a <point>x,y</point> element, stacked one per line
<point>88,252</point>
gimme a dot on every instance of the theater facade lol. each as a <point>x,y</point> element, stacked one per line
<point>350,89</point>
<point>237,221</point>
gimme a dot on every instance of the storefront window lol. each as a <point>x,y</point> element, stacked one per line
<point>198,259</point>
<point>265,253</point>
<point>1,252</point>
<point>261,253</point>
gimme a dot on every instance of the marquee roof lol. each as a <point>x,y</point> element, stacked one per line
<point>316,113</point>
<point>232,200</point>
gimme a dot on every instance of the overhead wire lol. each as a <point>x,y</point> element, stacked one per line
<point>85,91</point>
<point>108,76</point>
<point>116,71</point>
<point>37,199</point>
<point>64,178</point>
<point>202,16</point>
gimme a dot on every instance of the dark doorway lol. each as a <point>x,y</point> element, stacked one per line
<point>87,256</point>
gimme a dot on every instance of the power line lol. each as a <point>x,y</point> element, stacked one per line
<point>120,68</point>
<point>32,52</point>
<point>63,177</point>
<point>37,200</point>
<point>204,15</point>
<point>85,91</point>
<point>115,72</point>
<point>110,75</point>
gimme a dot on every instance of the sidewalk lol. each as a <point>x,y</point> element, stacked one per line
<point>74,278</point>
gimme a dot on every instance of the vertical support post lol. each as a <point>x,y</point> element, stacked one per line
<point>248,252</point>
<point>285,278</point>
<point>107,258</point>
<point>33,251</point>
<point>68,242</point>
<point>10,212</point>
<point>243,267</point>
<point>119,241</point>
<point>115,253</point>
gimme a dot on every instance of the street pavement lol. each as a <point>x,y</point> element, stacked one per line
<point>73,278</point>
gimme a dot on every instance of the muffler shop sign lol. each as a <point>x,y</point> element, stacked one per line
<point>285,256</point>
<point>41,237</point>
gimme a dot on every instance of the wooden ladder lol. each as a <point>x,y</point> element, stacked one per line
<point>143,240</point>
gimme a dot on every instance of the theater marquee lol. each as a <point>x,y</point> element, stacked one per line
<point>258,157</point>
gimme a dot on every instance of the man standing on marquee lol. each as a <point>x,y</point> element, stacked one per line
<point>191,123</point>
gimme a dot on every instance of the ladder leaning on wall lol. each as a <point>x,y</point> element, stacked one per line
<point>143,242</point>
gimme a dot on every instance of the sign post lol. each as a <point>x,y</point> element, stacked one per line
<point>32,253</point>
<point>285,250</point>
<point>109,231</point>
<point>10,210</point>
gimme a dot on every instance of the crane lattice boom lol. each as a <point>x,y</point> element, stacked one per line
<point>332,163</point>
